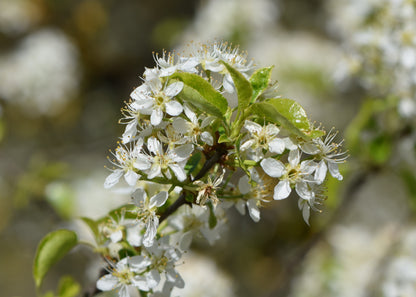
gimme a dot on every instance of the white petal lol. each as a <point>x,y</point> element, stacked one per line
<point>142,162</point>
<point>154,146</point>
<point>306,211</point>
<point>320,172</point>
<point>180,125</point>
<point>116,236</point>
<point>241,206</point>
<point>207,138</point>
<point>304,190</point>
<point>156,117</point>
<point>153,278</point>
<point>129,132</point>
<point>131,178</point>
<point>174,277</point>
<point>179,172</point>
<point>282,190</point>
<point>141,93</point>
<point>272,167</point>
<point>253,210</point>
<point>107,283</point>
<point>290,144</point>
<point>207,121</point>
<point>139,263</point>
<point>143,104</point>
<point>190,114</point>
<point>308,166</point>
<point>113,178</point>
<point>244,185</point>
<point>277,146</point>
<point>154,171</point>
<point>158,200</point>
<point>246,145</point>
<point>228,84</point>
<point>310,148</point>
<point>151,230</point>
<point>272,130</point>
<point>294,157</point>
<point>333,169</point>
<point>134,236</point>
<point>139,197</point>
<point>173,108</point>
<point>174,89</point>
<point>182,152</point>
<point>252,127</point>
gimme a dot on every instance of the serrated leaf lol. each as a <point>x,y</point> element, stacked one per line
<point>51,249</point>
<point>260,81</point>
<point>242,85</point>
<point>68,287</point>
<point>200,93</point>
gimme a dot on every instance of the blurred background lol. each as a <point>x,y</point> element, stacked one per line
<point>66,68</point>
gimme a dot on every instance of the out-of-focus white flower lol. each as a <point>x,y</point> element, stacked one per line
<point>203,278</point>
<point>42,74</point>
<point>229,16</point>
<point>18,16</point>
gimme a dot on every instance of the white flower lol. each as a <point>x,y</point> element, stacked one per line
<point>193,128</point>
<point>154,98</point>
<point>327,152</point>
<point>262,138</point>
<point>159,162</point>
<point>125,274</point>
<point>294,173</point>
<point>251,203</point>
<point>146,212</point>
<point>169,64</point>
<point>126,161</point>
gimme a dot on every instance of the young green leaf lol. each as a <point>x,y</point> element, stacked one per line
<point>93,225</point>
<point>193,162</point>
<point>51,249</point>
<point>287,113</point>
<point>200,93</point>
<point>68,287</point>
<point>260,81</point>
<point>242,85</point>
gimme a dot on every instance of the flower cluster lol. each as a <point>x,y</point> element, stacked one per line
<point>206,130</point>
<point>382,50</point>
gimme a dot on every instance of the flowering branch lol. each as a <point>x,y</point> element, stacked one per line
<point>213,113</point>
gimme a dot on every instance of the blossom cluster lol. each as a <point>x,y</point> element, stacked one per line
<point>204,131</point>
<point>381,49</point>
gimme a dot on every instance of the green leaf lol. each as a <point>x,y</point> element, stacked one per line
<point>223,138</point>
<point>292,111</point>
<point>93,225</point>
<point>269,112</point>
<point>200,93</point>
<point>242,85</point>
<point>212,220</point>
<point>260,81</point>
<point>51,249</point>
<point>68,287</point>
<point>193,162</point>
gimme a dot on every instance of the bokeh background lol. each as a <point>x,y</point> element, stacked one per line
<point>67,66</point>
